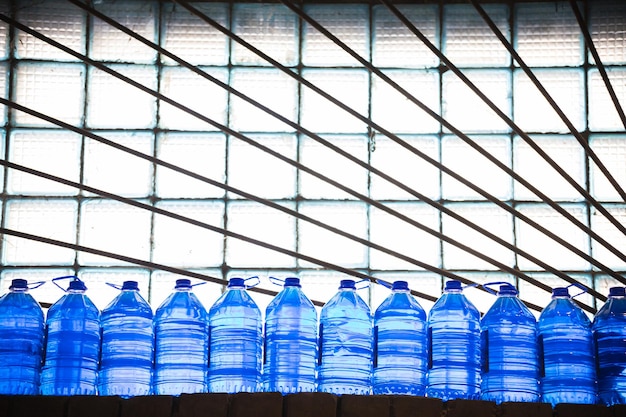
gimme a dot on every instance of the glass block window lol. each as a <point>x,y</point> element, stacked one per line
<point>150,140</point>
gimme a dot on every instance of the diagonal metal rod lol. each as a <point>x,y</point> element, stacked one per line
<point>330,145</point>
<point>596,57</point>
<point>421,154</point>
<point>594,157</point>
<point>469,141</point>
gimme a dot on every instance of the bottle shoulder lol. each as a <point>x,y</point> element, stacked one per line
<point>453,304</point>
<point>292,298</point>
<point>181,304</point>
<point>510,310</point>
<point>346,304</point>
<point>73,305</point>
<point>563,312</point>
<point>613,311</point>
<point>400,304</point>
<point>128,303</point>
<point>20,304</point>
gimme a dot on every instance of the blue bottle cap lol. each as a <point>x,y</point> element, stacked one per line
<point>77,285</point>
<point>400,285</point>
<point>292,282</point>
<point>453,285</point>
<point>238,282</point>
<point>19,284</point>
<point>347,283</point>
<point>130,285</point>
<point>507,289</point>
<point>617,292</point>
<point>560,292</point>
<point>183,283</point>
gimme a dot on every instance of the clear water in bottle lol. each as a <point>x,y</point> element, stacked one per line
<point>565,338</point>
<point>127,344</point>
<point>21,340</point>
<point>453,346</point>
<point>290,353</point>
<point>345,343</point>
<point>72,344</point>
<point>181,332</point>
<point>510,355</point>
<point>400,344</point>
<point>609,331</point>
<point>236,329</point>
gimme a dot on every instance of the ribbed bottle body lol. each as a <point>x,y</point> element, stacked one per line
<point>401,346</point>
<point>127,346</point>
<point>181,334</point>
<point>21,343</point>
<point>454,348</point>
<point>609,331</point>
<point>72,347</point>
<point>510,368</point>
<point>236,330</point>
<point>290,353</point>
<point>346,345</point>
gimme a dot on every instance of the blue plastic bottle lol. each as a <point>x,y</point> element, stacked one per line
<point>236,329</point>
<point>565,338</point>
<point>401,344</point>
<point>345,344</point>
<point>21,340</point>
<point>510,355</point>
<point>127,344</point>
<point>181,332</point>
<point>609,331</point>
<point>290,353</point>
<point>72,343</point>
<point>453,346</point>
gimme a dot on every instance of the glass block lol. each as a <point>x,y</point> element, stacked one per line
<point>395,45</point>
<point>271,28</point>
<point>611,150</point>
<point>162,284</point>
<point>271,88</point>
<point>113,103</point>
<point>456,154</point>
<point>98,280</point>
<point>56,90</point>
<point>404,166</point>
<point>487,216</point>
<point>47,293</point>
<point>186,245</point>
<point>482,299</point>
<point>423,282</point>
<point>393,111</point>
<point>201,153</point>
<point>604,228</point>
<point>110,44</point>
<point>565,151</point>
<point>466,111</point>
<point>49,218</point>
<point>607,25</point>
<point>603,115</point>
<point>2,155</point>
<point>195,92</point>
<point>603,285</point>
<point>114,227</point>
<point>4,72</point>
<point>257,172</point>
<point>262,223</point>
<point>548,35</point>
<point>541,298</point>
<point>533,113</point>
<point>329,163</point>
<point>467,39</point>
<point>54,152</point>
<point>350,87</point>
<point>348,22</point>
<point>60,21</point>
<point>351,217</point>
<point>394,233</point>
<point>116,171</point>
<point>190,38</point>
<point>4,34</point>
<point>541,246</point>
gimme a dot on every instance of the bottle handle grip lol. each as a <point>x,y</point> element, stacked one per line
<point>362,284</point>
<point>116,286</point>
<point>488,286</point>
<point>277,281</point>
<point>580,286</point>
<point>255,281</point>
<point>54,280</point>
<point>385,284</point>
<point>37,284</point>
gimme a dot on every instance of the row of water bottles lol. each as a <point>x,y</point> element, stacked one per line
<point>125,350</point>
